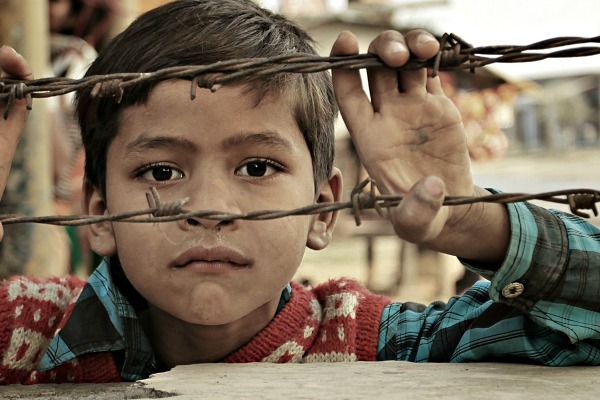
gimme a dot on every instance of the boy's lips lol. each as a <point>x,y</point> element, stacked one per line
<point>213,256</point>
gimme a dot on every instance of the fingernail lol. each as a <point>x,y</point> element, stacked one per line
<point>397,47</point>
<point>434,187</point>
<point>424,39</point>
<point>8,48</point>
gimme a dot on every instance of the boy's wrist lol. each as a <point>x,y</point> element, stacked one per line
<point>479,232</point>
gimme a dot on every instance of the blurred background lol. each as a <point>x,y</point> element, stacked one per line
<point>531,127</point>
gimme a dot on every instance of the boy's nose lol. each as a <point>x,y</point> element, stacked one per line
<point>214,196</point>
<point>214,224</point>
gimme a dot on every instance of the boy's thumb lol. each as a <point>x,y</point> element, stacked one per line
<point>415,218</point>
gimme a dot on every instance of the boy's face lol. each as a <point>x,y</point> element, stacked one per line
<point>225,154</point>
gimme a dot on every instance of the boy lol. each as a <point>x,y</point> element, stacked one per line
<point>218,291</point>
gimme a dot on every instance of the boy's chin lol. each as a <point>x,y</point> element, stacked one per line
<point>224,313</point>
<point>213,305</point>
<point>212,318</point>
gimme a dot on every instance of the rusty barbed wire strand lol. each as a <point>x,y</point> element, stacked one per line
<point>577,199</point>
<point>454,54</point>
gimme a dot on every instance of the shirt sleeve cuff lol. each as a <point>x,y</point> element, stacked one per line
<point>535,261</point>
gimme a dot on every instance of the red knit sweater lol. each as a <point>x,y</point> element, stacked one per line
<point>336,321</point>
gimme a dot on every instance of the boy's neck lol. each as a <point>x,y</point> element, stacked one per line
<point>176,342</point>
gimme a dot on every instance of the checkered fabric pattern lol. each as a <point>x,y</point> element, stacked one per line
<point>31,312</point>
<point>542,306</point>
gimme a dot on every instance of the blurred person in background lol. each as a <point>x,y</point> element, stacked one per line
<point>76,27</point>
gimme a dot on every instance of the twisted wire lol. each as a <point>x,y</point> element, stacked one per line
<point>454,54</point>
<point>577,199</point>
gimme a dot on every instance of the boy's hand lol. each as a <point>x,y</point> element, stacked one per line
<point>12,65</point>
<point>410,138</point>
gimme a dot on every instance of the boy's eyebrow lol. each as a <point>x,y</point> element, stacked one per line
<point>157,142</point>
<point>271,139</point>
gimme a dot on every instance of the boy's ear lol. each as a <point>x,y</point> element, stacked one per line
<point>100,235</point>
<point>321,230</point>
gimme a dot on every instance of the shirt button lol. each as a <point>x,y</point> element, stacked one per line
<point>513,290</point>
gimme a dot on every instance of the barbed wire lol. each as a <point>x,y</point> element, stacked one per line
<point>454,54</point>
<point>577,199</point>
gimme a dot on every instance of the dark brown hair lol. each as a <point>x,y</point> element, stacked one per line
<point>194,32</point>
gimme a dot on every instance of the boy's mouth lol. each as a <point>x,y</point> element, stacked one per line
<point>211,258</point>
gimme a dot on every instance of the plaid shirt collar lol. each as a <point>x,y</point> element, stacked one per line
<point>105,318</point>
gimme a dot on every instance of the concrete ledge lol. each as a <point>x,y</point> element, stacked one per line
<point>375,380</point>
<point>70,391</point>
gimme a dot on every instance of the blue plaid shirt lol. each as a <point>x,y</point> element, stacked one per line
<point>541,306</point>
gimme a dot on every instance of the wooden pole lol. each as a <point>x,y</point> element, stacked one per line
<point>28,249</point>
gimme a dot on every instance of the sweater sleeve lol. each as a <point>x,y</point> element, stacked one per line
<point>541,306</point>
<point>31,310</point>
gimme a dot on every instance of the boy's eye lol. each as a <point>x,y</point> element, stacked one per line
<point>161,173</point>
<point>259,168</point>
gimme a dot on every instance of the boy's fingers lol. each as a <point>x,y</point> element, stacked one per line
<point>14,65</point>
<point>383,82</point>
<point>422,44</point>
<point>395,50</point>
<point>391,47</point>
<point>434,85</point>
<point>416,218</point>
<point>413,81</point>
<point>354,103</point>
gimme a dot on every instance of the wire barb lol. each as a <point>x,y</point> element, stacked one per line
<point>583,201</point>
<point>451,53</point>
<point>112,88</point>
<point>360,200</point>
<point>365,200</point>
<point>15,91</point>
<point>160,209</point>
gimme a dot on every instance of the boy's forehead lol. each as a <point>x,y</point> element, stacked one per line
<point>265,116</point>
<point>258,93</point>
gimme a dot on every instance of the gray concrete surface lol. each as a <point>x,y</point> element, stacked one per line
<point>69,391</point>
<point>375,380</point>
<point>383,380</point>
